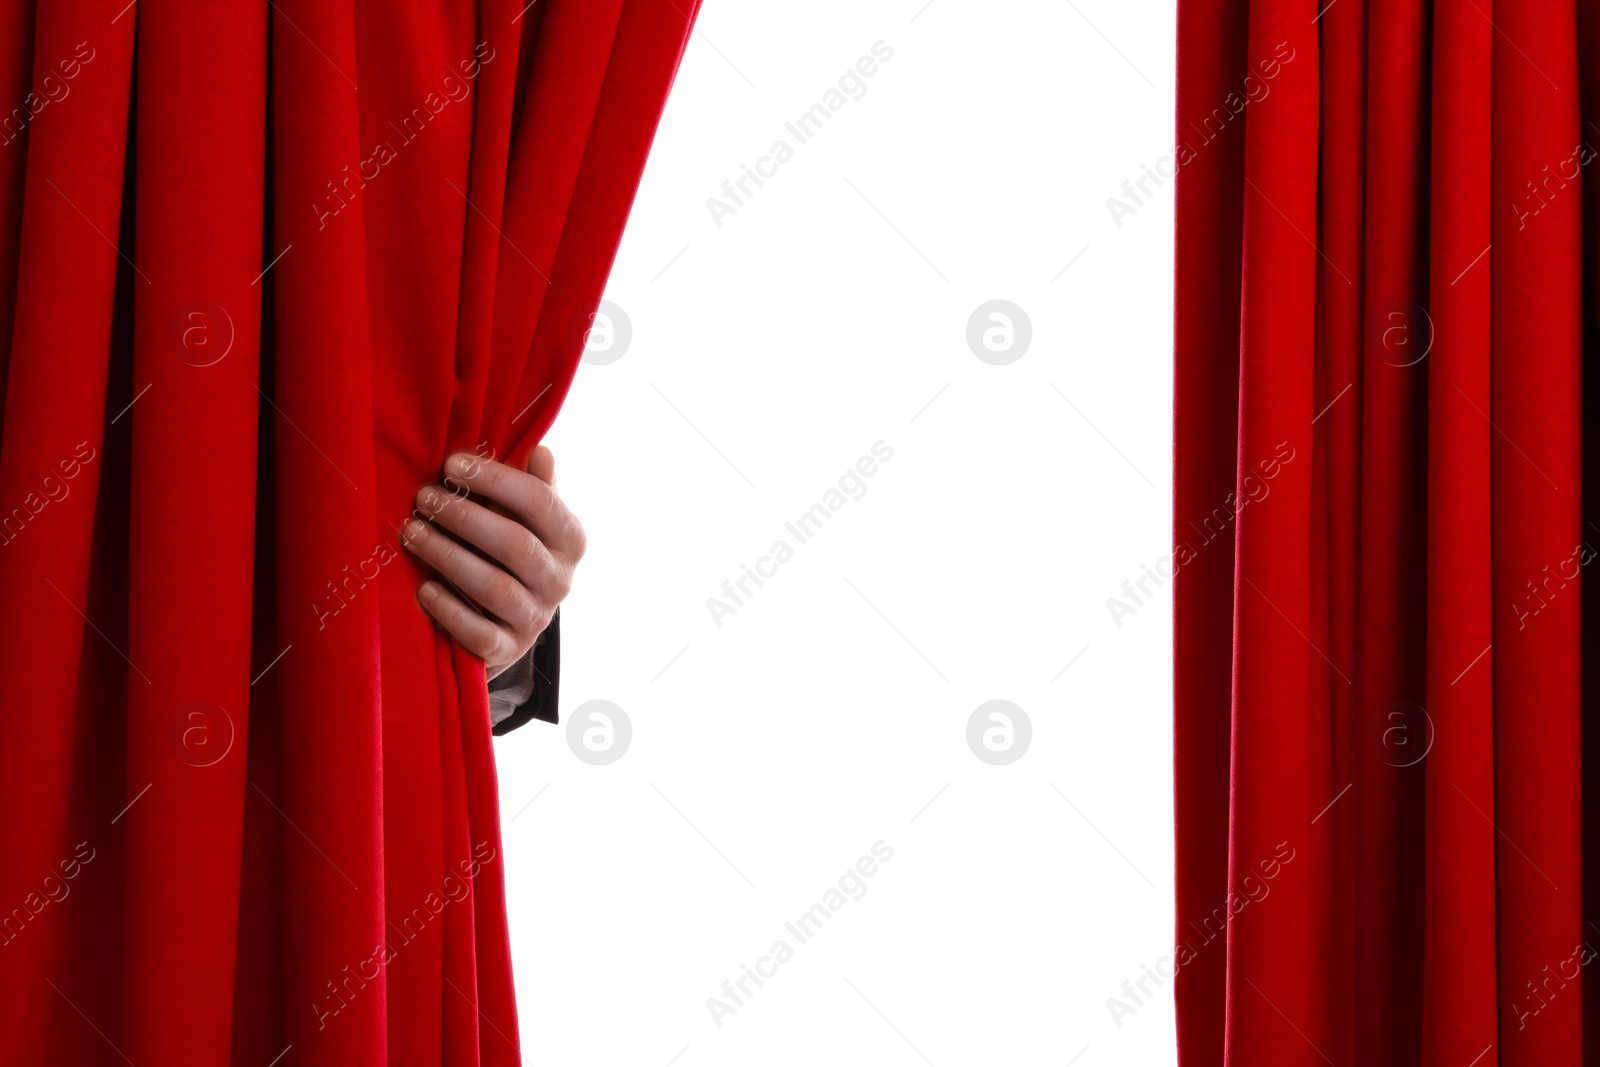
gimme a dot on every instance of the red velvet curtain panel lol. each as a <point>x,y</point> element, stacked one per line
<point>262,267</point>
<point>1385,295</point>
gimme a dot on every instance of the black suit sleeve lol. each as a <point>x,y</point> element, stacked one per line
<point>530,689</point>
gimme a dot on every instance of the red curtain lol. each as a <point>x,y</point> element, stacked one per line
<point>1385,293</point>
<point>262,267</point>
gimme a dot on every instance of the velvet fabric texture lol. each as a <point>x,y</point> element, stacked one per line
<point>263,265</point>
<point>1385,294</point>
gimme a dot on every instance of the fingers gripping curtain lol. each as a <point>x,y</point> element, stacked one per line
<point>263,266</point>
<point>1382,295</point>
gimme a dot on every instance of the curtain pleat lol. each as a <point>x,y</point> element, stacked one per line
<point>1390,641</point>
<point>1380,241</point>
<point>193,477</point>
<point>61,769</point>
<point>1335,462</point>
<point>1209,208</point>
<point>1280,703</point>
<point>1459,994</point>
<point>264,266</point>
<point>338,719</point>
<point>1535,400</point>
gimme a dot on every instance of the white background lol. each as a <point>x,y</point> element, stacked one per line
<point>830,711</point>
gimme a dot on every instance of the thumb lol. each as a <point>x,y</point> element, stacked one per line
<point>542,465</point>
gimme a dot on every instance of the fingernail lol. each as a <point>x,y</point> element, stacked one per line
<point>413,529</point>
<point>428,591</point>
<point>463,464</point>
<point>430,499</point>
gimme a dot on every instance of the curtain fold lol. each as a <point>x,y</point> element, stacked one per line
<point>262,267</point>
<point>1379,472</point>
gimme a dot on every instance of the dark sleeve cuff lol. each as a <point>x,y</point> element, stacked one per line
<point>530,689</point>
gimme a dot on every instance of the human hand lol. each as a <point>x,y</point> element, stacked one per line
<point>495,608</point>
